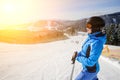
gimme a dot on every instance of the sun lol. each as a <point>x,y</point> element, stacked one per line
<point>9,8</point>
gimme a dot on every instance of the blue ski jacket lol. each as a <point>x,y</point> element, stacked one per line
<point>96,45</point>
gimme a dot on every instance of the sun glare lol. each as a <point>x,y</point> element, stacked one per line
<point>9,8</point>
<point>13,12</point>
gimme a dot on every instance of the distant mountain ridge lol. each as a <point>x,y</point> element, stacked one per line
<point>113,18</point>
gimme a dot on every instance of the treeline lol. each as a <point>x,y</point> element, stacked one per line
<point>30,37</point>
<point>113,34</point>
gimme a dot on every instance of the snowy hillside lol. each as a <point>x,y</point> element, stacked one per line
<point>47,61</point>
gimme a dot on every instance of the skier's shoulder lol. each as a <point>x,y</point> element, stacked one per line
<point>95,42</point>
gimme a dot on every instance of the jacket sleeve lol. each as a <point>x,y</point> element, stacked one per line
<point>95,52</point>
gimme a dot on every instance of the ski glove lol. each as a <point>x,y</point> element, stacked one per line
<point>74,57</point>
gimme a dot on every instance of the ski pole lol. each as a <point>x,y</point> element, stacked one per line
<point>73,62</point>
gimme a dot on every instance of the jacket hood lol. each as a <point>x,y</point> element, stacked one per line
<point>99,36</point>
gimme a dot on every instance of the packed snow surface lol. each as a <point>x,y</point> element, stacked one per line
<point>48,61</point>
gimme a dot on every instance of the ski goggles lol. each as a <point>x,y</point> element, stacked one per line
<point>88,26</point>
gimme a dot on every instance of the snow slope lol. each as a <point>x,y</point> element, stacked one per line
<point>47,61</point>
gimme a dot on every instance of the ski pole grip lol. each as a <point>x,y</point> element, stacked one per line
<point>74,57</point>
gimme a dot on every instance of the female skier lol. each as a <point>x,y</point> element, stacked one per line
<point>91,49</point>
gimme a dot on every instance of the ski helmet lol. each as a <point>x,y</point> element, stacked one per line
<point>95,23</point>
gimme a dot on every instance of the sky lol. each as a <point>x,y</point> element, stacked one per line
<point>21,11</point>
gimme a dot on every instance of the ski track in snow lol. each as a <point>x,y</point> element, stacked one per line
<point>48,61</point>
